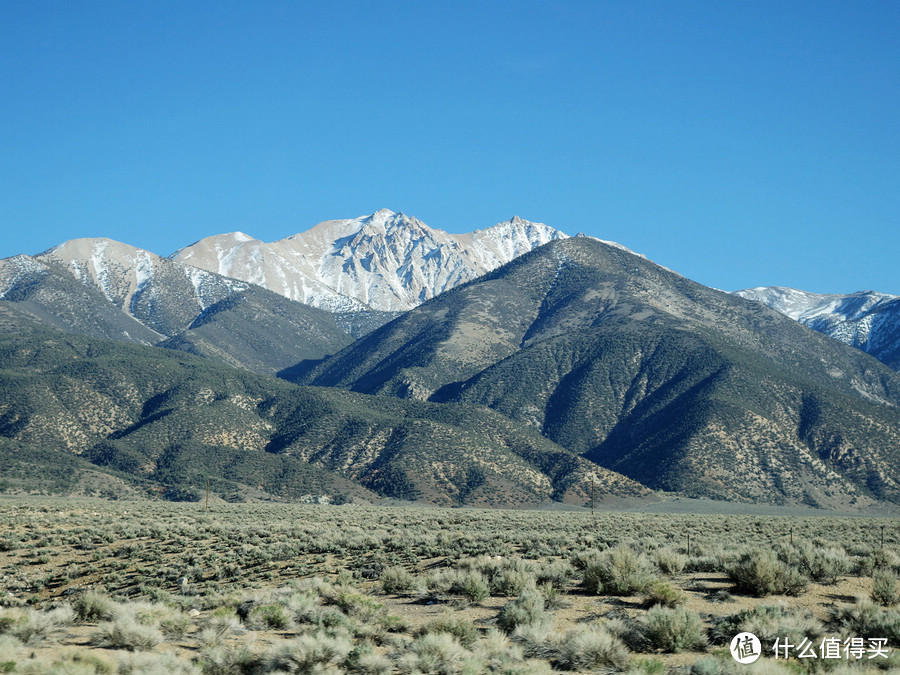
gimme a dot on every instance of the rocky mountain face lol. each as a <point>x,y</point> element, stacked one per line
<point>386,261</point>
<point>103,288</point>
<point>256,305</point>
<point>676,385</point>
<point>866,320</point>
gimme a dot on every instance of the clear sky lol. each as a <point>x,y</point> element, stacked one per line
<point>738,143</point>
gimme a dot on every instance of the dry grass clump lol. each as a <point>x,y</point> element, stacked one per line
<point>157,663</point>
<point>31,626</point>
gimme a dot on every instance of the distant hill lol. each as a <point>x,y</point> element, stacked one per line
<point>674,384</point>
<point>164,421</point>
<point>102,288</point>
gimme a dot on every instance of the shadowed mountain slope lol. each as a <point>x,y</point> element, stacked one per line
<point>675,384</point>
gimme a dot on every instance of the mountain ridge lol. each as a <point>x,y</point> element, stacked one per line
<point>384,261</point>
<point>647,373</point>
<point>168,419</point>
<point>867,320</point>
<point>106,289</point>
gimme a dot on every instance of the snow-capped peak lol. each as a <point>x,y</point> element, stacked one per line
<point>386,260</point>
<point>865,319</point>
<point>804,306</point>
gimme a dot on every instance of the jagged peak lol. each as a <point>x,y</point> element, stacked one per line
<point>517,222</point>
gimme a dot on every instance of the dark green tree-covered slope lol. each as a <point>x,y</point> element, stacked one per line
<point>168,419</point>
<point>677,385</point>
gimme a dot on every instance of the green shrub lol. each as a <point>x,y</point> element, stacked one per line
<point>618,571</point>
<point>876,559</point>
<point>820,563</point>
<point>359,606</point>
<point>437,653</point>
<point>269,617</point>
<point>498,654</point>
<point>528,608</point>
<point>93,606</point>
<point>885,588</point>
<point>663,593</point>
<point>462,630</point>
<point>234,660</point>
<point>670,562</point>
<point>397,580</point>
<point>761,573</point>
<point>674,630</point>
<point>472,586</point>
<point>510,582</point>
<point>317,652</point>
<point>558,573</point>
<point>768,622</point>
<point>590,647</point>
<point>370,663</point>
<point>866,619</point>
<point>536,639</point>
<point>151,663</point>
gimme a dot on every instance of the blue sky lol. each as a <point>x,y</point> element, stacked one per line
<point>738,143</point>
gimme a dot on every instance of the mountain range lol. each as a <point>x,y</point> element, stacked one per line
<point>386,261</point>
<point>866,320</point>
<point>675,385</point>
<point>504,367</point>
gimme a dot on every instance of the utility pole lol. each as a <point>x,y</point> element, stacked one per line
<point>207,495</point>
